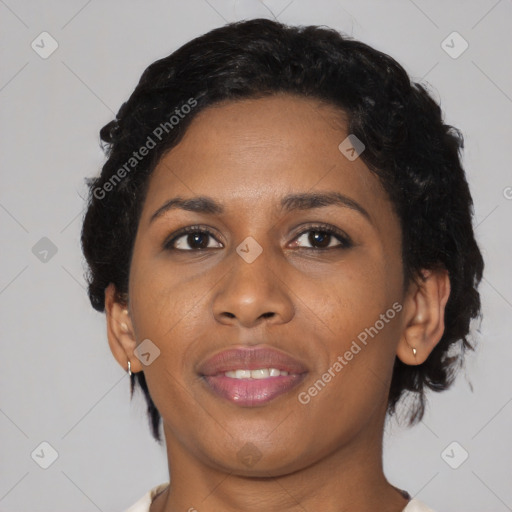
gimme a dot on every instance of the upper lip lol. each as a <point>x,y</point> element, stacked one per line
<point>250,358</point>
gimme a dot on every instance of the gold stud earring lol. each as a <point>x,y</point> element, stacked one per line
<point>414,351</point>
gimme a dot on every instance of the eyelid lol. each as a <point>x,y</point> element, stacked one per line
<point>344,239</point>
<point>185,231</point>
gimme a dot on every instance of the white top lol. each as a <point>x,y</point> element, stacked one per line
<point>145,502</point>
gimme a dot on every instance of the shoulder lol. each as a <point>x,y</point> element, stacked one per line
<point>143,504</point>
<point>417,506</point>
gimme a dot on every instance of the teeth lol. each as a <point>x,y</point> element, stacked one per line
<point>256,374</point>
<point>260,373</point>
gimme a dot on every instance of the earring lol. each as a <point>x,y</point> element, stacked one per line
<point>129,368</point>
<point>414,351</point>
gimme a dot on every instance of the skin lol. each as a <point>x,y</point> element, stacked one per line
<point>304,300</point>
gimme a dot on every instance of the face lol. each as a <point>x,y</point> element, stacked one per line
<point>318,282</point>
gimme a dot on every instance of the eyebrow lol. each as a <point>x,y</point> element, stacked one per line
<point>291,202</point>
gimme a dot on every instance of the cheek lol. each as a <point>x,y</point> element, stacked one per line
<point>356,311</point>
<point>360,329</point>
<point>166,312</point>
<point>352,297</point>
<point>162,300</point>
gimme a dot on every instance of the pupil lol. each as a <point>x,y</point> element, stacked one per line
<point>193,238</point>
<point>320,238</point>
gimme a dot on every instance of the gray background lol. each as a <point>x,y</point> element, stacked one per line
<point>59,382</point>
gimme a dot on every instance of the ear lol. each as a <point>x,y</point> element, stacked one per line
<point>424,316</point>
<point>120,332</point>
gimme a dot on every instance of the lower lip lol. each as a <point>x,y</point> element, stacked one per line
<point>252,392</point>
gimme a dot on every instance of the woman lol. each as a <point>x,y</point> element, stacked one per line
<point>281,239</point>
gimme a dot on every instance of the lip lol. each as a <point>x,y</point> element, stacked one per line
<point>251,392</point>
<point>250,358</point>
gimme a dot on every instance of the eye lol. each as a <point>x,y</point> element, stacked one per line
<point>195,237</point>
<point>321,237</point>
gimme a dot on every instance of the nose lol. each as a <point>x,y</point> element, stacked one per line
<point>252,293</point>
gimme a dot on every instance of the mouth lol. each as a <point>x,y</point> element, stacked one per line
<point>251,376</point>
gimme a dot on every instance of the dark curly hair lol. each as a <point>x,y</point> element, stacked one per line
<point>414,154</point>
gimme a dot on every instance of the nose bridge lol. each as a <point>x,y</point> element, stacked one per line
<point>252,289</point>
<point>252,263</point>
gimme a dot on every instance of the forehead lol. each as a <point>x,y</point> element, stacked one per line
<point>250,153</point>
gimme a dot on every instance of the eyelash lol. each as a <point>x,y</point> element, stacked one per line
<point>345,241</point>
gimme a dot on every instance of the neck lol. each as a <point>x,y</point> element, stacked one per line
<point>350,478</point>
